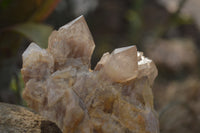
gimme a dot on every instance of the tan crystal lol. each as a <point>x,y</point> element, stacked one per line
<point>121,65</point>
<point>37,63</point>
<point>72,40</point>
<point>114,98</point>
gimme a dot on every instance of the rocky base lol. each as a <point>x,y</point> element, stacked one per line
<point>16,119</point>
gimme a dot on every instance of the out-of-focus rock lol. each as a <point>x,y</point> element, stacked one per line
<point>175,55</point>
<point>177,101</point>
<point>114,98</point>
<point>179,105</point>
<point>170,5</point>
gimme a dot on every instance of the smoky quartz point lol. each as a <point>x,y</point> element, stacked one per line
<point>115,97</point>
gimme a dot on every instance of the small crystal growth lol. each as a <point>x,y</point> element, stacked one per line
<point>115,97</point>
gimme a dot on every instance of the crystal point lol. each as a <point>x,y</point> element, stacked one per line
<point>72,40</point>
<point>114,98</point>
<point>36,60</point>
<point>121,65</point>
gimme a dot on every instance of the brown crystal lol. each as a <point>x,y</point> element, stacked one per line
<point>78,39</point>
<point>118,65</point>
<point>114,98</point>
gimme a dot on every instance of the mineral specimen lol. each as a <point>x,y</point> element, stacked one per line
<point>115,97</point>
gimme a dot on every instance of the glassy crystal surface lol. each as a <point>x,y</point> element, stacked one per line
<point>114,98</point>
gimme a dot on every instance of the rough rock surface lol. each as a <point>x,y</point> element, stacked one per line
<point>114,98</point>
<point>16,119</point>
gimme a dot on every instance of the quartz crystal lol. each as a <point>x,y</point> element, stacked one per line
<point>115,97</point>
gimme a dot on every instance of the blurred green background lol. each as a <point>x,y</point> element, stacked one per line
<point>167,31</point>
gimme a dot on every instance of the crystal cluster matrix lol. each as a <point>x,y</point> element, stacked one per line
<point>115,97</point>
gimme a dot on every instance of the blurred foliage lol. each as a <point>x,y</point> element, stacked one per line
<point>38,33</point>
<point>134,17</point>
<point>20,20</point>
<point>17,85</point>
<point>18,11</point>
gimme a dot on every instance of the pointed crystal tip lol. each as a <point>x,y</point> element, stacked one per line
<point>121,65</point>
<point>72,40</point>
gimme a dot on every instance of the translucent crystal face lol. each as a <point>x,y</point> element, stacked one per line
<point>114,98</point>
<point>73,40</point>
<point>121,65</point>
